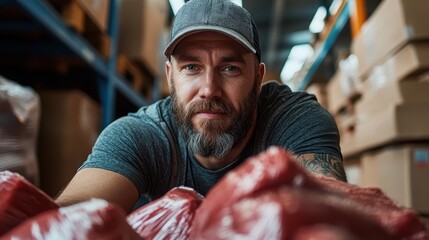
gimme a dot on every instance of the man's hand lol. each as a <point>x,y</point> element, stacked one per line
<point>324,164</point>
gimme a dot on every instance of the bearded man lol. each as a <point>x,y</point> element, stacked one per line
<point>219,114</point>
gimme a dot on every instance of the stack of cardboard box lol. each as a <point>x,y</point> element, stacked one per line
<point>99,11</point>
<point>401,172</point>
<point>343,89</point>
<point>69,127</point>
<point>391,130</point>
<point>142,26</point>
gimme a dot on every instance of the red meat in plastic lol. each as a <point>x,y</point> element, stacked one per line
<point>280,213</point>
<point>275,168</point>
<point>169,217</point>
<point>20,200</point>
<point>400,222</point>
<point>94,219</point>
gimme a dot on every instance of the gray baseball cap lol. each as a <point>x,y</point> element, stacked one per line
<point>215,15</point>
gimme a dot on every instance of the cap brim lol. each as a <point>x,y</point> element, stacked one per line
<point>191,30</point>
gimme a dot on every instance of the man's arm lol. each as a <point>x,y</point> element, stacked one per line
<point>98,183</point>
<point>325,164</point>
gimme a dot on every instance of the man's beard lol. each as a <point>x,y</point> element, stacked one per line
<point>215,139</point>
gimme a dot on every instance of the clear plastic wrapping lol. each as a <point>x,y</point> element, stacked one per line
<point>19,123</point>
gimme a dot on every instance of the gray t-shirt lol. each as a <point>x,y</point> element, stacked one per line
<point>147,148</point>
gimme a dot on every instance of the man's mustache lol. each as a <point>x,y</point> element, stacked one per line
<point>206,105</point>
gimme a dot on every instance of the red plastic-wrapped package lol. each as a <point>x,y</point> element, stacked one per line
<point>398,221</point>
<point>169,217</point>
<point>20,200</point>
<point>94,219</point>
<point>254,196</point>
<point>280,213</point>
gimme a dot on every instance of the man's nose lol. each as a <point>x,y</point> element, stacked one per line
<point>210,86</point>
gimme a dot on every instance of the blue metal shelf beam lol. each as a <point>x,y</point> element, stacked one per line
<point>47,16</point>
<point>108,97</point>
<point>9,48</point>
<point>19,26</point>
<point>323,50</point>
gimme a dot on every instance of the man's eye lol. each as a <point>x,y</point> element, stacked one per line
<point>231,69</point>
<point>191,67</point>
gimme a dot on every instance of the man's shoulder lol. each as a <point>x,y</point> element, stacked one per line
<point>274,94</point>
<point>157,111</point>
<point>147,119</point>
<point>274,86</point>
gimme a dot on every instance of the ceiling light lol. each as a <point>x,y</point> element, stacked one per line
<point>296,59</point>
<point>318,22</point>
<point>335,6</point>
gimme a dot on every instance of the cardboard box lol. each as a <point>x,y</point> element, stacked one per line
<point>393,93</point>
<point>402,172</point>
<point>69,126</point>
<point>411,62</point>
<point>319,90</point>
<point>336,97</point>
<point>344,87</point>
<point>346,122</point>
<point>271,75</point>
<point>99,11</point>
<point>348,145</point>
<point>408,21</point>
<point>141,30</point>
<point>353,171</point>
<point>350,83</point>
<point>394,123</point>
<point>348,142</point>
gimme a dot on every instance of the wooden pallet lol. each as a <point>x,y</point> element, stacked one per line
<point>140,81</point>
<point>84,23</point>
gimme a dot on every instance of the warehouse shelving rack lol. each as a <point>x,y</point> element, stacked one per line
<point>108,79</point>
<point>312,65</point>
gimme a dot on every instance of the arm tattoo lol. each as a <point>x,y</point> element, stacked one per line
<point>324,164</point>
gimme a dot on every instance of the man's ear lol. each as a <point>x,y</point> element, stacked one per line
<point>168,69</point>
<point>261,73</point>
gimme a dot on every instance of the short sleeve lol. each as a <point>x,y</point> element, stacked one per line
<point>135,148</point>
<point>300,124</point>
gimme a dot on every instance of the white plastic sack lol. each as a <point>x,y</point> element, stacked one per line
<point>19,122</point>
